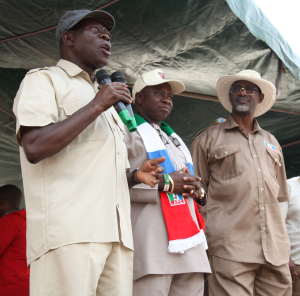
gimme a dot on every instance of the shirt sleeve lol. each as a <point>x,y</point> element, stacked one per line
<point>281,179</point>
<point>201,166</point>
<point>35,103</point>
<point>8,231</point>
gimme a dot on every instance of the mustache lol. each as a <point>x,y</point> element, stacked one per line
<point>242,97</point>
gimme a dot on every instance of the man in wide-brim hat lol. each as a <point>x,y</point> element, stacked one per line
<point>242,171</point>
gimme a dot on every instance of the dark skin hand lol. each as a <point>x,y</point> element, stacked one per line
<point>155,103</point>
<point>245,118</point>
<point>293,272</point>
<point>88,46</point>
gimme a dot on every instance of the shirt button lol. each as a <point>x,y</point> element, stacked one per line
<point>226,152</point>
<point>262,208</point>
<point>118,152</point>
<point>118,205</point>
<point>262,189</point>
<point>259,170</point>
<point>275,159</point>
<point>264,228</point>
<point>250,142</point>
<point>254,155</point>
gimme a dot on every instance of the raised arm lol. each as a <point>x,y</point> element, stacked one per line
<point>42,142</point>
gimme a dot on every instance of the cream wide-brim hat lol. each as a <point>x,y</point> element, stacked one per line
<point>156,77</point>
<point>267,88</point>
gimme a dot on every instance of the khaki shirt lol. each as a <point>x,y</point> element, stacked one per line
<point>245,180</point>
<point>79,194</point>
<point>150,235</point>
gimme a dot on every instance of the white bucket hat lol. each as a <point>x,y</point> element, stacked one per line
<point>156,77</point>
<point>267,88</point>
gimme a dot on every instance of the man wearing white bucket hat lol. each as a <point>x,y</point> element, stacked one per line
<point>169,243</point>
<point>242,170</point>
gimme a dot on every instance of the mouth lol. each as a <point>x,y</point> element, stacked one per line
<point>166,109</point>
<point>242,100</point>
<point>106,49</point>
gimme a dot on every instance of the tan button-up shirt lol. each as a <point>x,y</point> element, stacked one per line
<point>79,194</point>
<point>150,235</point>
<point>244,177</point>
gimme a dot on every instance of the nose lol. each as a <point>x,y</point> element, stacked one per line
<point>243,91</point>
<point>105,37</point>
<point>166,99</point>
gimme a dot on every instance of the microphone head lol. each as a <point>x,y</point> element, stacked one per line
<point>117,77</point>
<point>101,75</point>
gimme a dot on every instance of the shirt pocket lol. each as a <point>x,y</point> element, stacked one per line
<point>227,162</point>
<point>70,109</point>
<point>274,162</point>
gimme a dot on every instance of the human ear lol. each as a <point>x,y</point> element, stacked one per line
<point>261,98</point>
<point>67,38</point>
<point>138,98</point>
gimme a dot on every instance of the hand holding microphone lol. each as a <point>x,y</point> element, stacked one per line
<point>120,95</point>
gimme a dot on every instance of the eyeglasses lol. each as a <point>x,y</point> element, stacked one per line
<point>249,90</point>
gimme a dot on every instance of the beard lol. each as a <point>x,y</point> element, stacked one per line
<point>242,108</point>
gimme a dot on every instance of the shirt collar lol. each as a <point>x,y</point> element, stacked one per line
<point>69,67</point>
<point>230,124</point>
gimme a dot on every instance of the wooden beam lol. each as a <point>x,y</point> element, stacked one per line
<point>7,113</point>
<point>290,144</point>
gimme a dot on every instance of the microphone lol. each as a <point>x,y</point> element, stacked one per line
<point>118,77</point>
<point>103,77</point>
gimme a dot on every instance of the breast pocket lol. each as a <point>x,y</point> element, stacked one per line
<point>274,162</point>
<point>227,162</point>
<point>70,109</point>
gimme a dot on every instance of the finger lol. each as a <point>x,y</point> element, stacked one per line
<point>189,188</point>
<point>159,169</point>
<point>119,85</point>
<point>125,99</point>
<point>182,171</point>
<point>187,170</point>
<point>158,160</point>
<point>123,93</point>
<point>191,177</point>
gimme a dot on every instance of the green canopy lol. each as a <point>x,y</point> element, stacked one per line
<point>195,41</point>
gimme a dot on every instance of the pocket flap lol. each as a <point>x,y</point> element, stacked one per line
<point>275,156</point>
<point>72,107</point>
<point>226,151</point>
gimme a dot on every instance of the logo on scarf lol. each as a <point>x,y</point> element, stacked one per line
<point>162,75</point>
<point>271,147</point>
<point>175,199</point>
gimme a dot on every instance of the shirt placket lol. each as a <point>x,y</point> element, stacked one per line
<point>119,169</point>
<point>261,191</point>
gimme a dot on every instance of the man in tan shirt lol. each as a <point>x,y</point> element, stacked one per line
<point>157,271</point>
<point>242,170</point>
<point>73,159</point>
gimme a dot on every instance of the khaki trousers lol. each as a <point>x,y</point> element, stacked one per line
<point>296,284</point>
<point>185,284</point>
<point>230,278</point>
<point>85,269</point>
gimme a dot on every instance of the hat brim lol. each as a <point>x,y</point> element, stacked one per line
<point>267,88</point>
<point>176,85</point>
<point>105,17</point>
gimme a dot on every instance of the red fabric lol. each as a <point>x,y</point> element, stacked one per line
<point>14,273</point>
<point>179,222</point>
<point>200,219</point>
